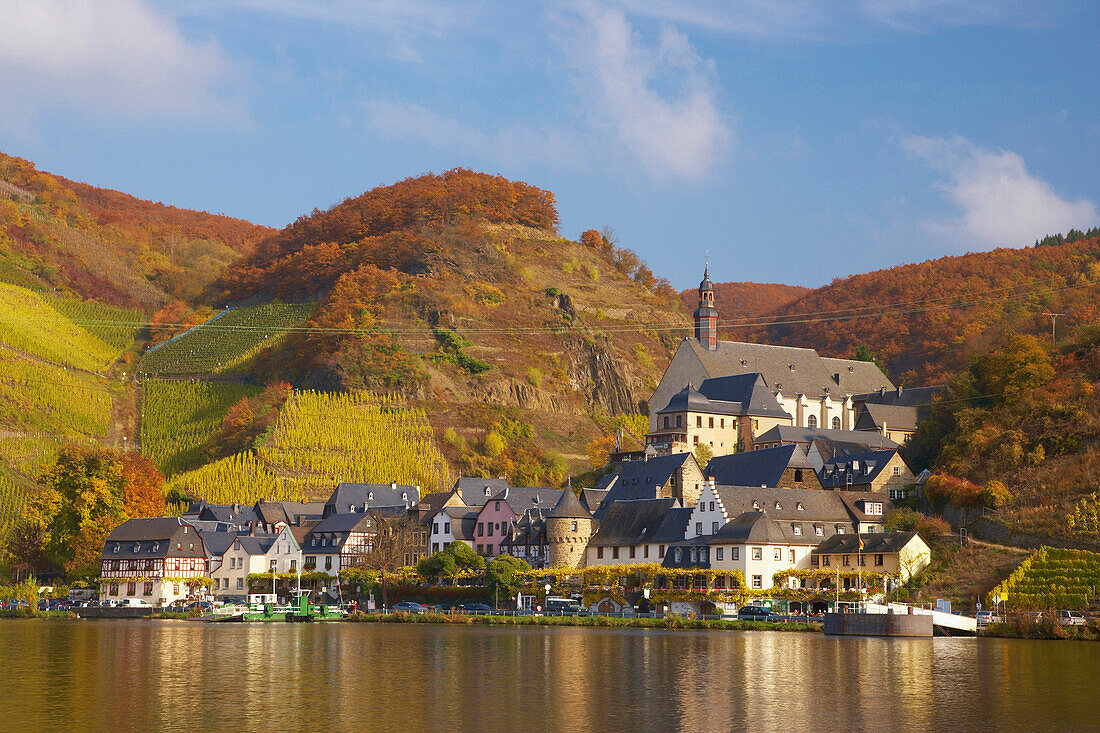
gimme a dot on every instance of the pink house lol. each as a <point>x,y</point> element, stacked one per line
<point>495,520</point>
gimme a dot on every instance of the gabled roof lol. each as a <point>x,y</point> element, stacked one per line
<point>463,519</point>
<point>349,497</point>
<point>854,469</point>
<point>476,491</point>
<point>604,483</point>
<point>254,544</point>
<point>873,542</point>
<point>795,434</point>
<point>791,370</point>
<point>642,521</point>
<point>592,498</point>
<point>153,537</point>
<point>569,507</point>
<point>640,479</point>
<point>290,512</point>
<point>236,514</point>
<point>801,505</point>
<point>762,467</point>
<point>874,417</point>
<point>345,522</point>
<point>520,499</point>
<point>904,396</point>
<point>856,501</point>
<point>738,394</point>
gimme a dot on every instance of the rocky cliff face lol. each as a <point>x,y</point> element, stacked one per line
<point>600,376</point>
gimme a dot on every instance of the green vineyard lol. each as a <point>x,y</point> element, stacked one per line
<point>111,325</point>
<point>179,416</point>
<point>43,398</point>
<point>29,323</point>
<point>11,501</point>
<point>227,342</point>
<point>1052,578</point>
<point>320,440</point>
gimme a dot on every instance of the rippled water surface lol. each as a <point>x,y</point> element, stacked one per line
<point>175,675</point>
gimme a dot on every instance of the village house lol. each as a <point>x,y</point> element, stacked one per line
<point>816,515</point>
<point>452,523</point>
<point>892,413</point>
<point>338,542</point>
<point>824,444</point>
<point>153,560</point>
<point>677,476</point>
<point>724,413</point>
<point>816,391</point>
<point>904,553</point>
<point>495,519</point>
<point>527,539</point>
<point>351,497</point>
<point>880,471</point>
<point>784,466</point>
<point>255,553</point>
<point>636,531</point>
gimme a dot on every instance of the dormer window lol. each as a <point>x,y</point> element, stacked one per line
<point>404,496</point>
<point>797,530</point>
<point>488,492</point>
<point>799,507</point>
<point>756,505</point>
<point>790,367</point>
<point>678,554</point>
<point>115,548</point>
<point>851,370</point>
<point>777,505</point>
<point>137,547</point>
<point>370,496</point>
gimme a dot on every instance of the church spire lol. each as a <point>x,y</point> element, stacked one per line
<point>706,315</point>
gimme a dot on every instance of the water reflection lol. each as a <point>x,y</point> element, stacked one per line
<point>90,675</point>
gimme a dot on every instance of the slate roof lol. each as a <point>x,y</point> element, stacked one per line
<point>255,544</point>
<point>349,497</point>
<point>641,521</point>
<point>826,507</point>
<point>153,537</point>
<point>603,483</point>
<point>520,499</point>
<point>902,396</point>
<point>569,507</point>
<point>859,468</point>
<point>236,514</point>
<point>640,479</point>
<point>762,467</point>
<point>289,512</point>
<point>795,434</point>
<point>739,394</point>
<point>338,525</point>
<point>789,369</point>
<point>873,542</point>
<point>463,521</point>
<point>472,491</point>
<point>592,498</point>
<point>873,417</point>
<point>216,536</point>
<point>855,502</point>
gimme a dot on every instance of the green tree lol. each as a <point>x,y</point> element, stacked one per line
<point>703,454</point>
<point>500,576</point>
<point>1003,375</point>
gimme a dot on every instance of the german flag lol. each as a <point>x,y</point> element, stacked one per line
<point>859,538</point>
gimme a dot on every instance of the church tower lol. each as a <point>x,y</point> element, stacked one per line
<point>706,315</point>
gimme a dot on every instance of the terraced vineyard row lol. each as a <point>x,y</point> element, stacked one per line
<point>227,342</point>
<point>43,398</point>
<point>30,323</point>
<point>179,416</point>
<point>114,326</point>
<point>1052,578</point>
<point>320,440</point>
<point>11,501</point>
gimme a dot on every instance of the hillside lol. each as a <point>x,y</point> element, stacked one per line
<point>924,321</point>
<point>103,244</point>
<point>745,300</point>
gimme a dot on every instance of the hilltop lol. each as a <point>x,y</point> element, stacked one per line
<point>923,322</point>
<point>57,234</point>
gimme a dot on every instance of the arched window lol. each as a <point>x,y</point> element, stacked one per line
<point>811,421</point>
<point>836,423</point>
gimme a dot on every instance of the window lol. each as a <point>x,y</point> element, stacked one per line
<point>148,588</point>
<point>712,506</point>
<point>678,555</point>
<point>240,583</point>
<point>825,560</point>
<point>710,421</point>
<point>660,551</point>
<point>599,553</point>
<point>757,582</point>
<point>757,553</point>
<point>698,421</point>
<point>777,555</point>
<point>836,423</point>
<point>113,589</point>
<point>698,528</point>
<point>328,562</point>
<point>718,553</point>
<point>694,555</point>
<point>819,530</point>
<point>736,552</point>
<point>839,529</point>
<point>489,550</point>
<point>274,566</point>
<point>790,556</point>
<point>574,526</point>
<point>702,506</point>
<point>722,423</point>
<point>293,565</point>
<point>666,421</point>
<point>615,553</point>
<point>847,561</point>
<point>798,475</point>
<point>798,530</point>
<point>862,560</point>
<point>446,528</point>
<point>696,440</point>
<point>491,525</point>
<point>435,527</point>
<point>645,551</point>
<point>897,470</point>
<point>632,550</point>
<point>679,421</point>
<point>131,589</point>
<point>714,527</point>
<point>878,561</point>
<point>481,529</point>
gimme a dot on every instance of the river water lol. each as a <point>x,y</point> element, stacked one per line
<point>178,675</point>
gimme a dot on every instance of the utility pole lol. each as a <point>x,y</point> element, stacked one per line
<point>1053,320</point>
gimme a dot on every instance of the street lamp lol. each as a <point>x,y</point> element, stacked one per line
<point>546,600</point>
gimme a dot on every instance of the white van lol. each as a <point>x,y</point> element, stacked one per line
<point>135,603</point>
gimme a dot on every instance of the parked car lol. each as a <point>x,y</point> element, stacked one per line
<point>757,613</point>
<point>475,608</point>
<point>407,607</point>
<point>1071,618</point>
<point>984,618</point>
<point>200,607</point>
<point>135,603</point>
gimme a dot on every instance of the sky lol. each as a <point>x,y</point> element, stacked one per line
<point>792,141</point>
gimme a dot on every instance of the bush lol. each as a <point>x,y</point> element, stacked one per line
<point>996,494</point>
<point>958,491</point>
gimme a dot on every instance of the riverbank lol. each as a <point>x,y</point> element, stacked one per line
<point>1043,630</point>
<point>667,622</point>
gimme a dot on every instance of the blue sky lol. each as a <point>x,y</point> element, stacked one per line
<point>795,141</point>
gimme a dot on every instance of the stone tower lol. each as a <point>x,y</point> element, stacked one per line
<point>569,526</point>
<point>706,315</point>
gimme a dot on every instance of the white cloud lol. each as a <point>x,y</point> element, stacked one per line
<point>114,57</point>
<point>1002,204</point>
<point>511,145</point>
<point>658,101</point>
